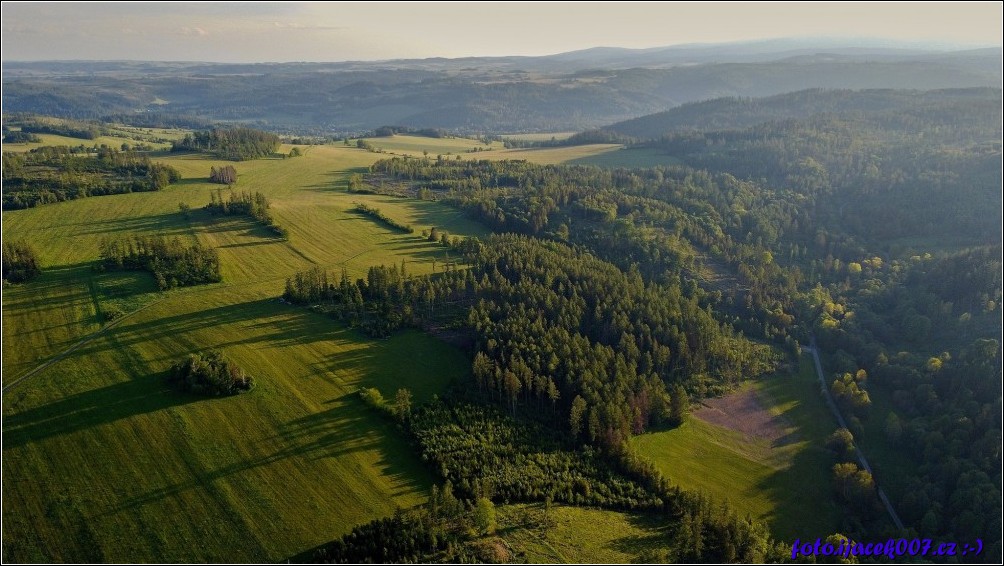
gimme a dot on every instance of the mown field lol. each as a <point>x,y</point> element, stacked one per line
<point>783,481</point>
<point>601,155</point>
<point>115,136</point>
<point>419,146</point>
<point>578,535</point>
<point>103,463</point>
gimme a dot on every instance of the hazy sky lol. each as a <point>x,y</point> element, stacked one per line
<point>259,32</point>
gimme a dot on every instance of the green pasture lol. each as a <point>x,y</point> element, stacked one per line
<point>103,463</point>
<point>786,484</point>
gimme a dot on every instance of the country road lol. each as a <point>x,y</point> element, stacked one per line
<point>843,424</point>
<point>68,351</point>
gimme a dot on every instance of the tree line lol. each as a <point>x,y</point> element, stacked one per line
<point>601,352</point>
<point>374,212</point>
<point>54,174</point>
<point>233,144</point>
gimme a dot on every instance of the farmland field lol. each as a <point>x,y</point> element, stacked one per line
<point>103,463</point>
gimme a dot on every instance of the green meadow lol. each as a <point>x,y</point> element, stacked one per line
<point>580,535</point>
<point>102,462</point>
<point>784,482</point>
<point>606,155</point>
<point>419,146</point>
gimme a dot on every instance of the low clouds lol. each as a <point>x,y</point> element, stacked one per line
<point>289,25</point>
<point>193,31</point>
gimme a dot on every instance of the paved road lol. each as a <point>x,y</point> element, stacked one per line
<point>843,424</point>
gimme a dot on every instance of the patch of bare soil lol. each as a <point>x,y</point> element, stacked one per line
<point>743,412</point>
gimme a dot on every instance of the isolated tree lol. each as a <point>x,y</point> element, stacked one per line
<point>484,516</point>
<point>402,404</point>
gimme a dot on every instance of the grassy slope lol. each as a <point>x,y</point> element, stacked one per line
<point>416,145</point>
<point>580,535</point>
<point>786,486</point>
<point>601,155</point>
<point>628,157</point>
<point>118,135</point>
<point>101,462</point>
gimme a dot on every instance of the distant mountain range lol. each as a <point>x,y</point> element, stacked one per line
<point>568,91</point>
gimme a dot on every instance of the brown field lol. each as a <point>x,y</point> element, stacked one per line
<point>743,412</point>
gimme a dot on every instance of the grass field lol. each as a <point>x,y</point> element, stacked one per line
<point>580,535</point>
<point>630,158</point>
<point>102,463</point>
<point>416,146</point>
<point>116,136</point>
<point>784,483</point>
<point>601,155</point>
<point>543,136</point>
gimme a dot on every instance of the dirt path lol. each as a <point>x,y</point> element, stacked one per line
<point>58,357</point>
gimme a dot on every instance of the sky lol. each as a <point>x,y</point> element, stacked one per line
<point>335,31</point>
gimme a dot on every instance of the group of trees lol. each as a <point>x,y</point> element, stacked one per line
<point>253,205</point>
<point>374,212</point>
<point>226,175</point>
<point>209,373</point>
<point>600,352</point>
<point>19,136</point>
<point>660,221</point>
<point>54,174</point>
<point>70,129</point>
<point>387,131</point>
<point>484,457</point>
<point>234,144</point>
<point>172,263</point>
<point>446,529</point>
<point>20,262</point>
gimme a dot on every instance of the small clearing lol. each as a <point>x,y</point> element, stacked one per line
<point>743,412</point>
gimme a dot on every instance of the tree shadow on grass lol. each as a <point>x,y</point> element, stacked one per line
<point>61,285</point>
<point>346,427</point>
<point>264,321</point>
<point>657,531</point>
<point>92,408</point>
<point>338,181</point>
<point>804,506</point>
<point>164,224</point>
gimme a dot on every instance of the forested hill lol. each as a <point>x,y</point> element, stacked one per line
<point>473,95</point>
<point>742,112</point>
<point>879,166</point>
